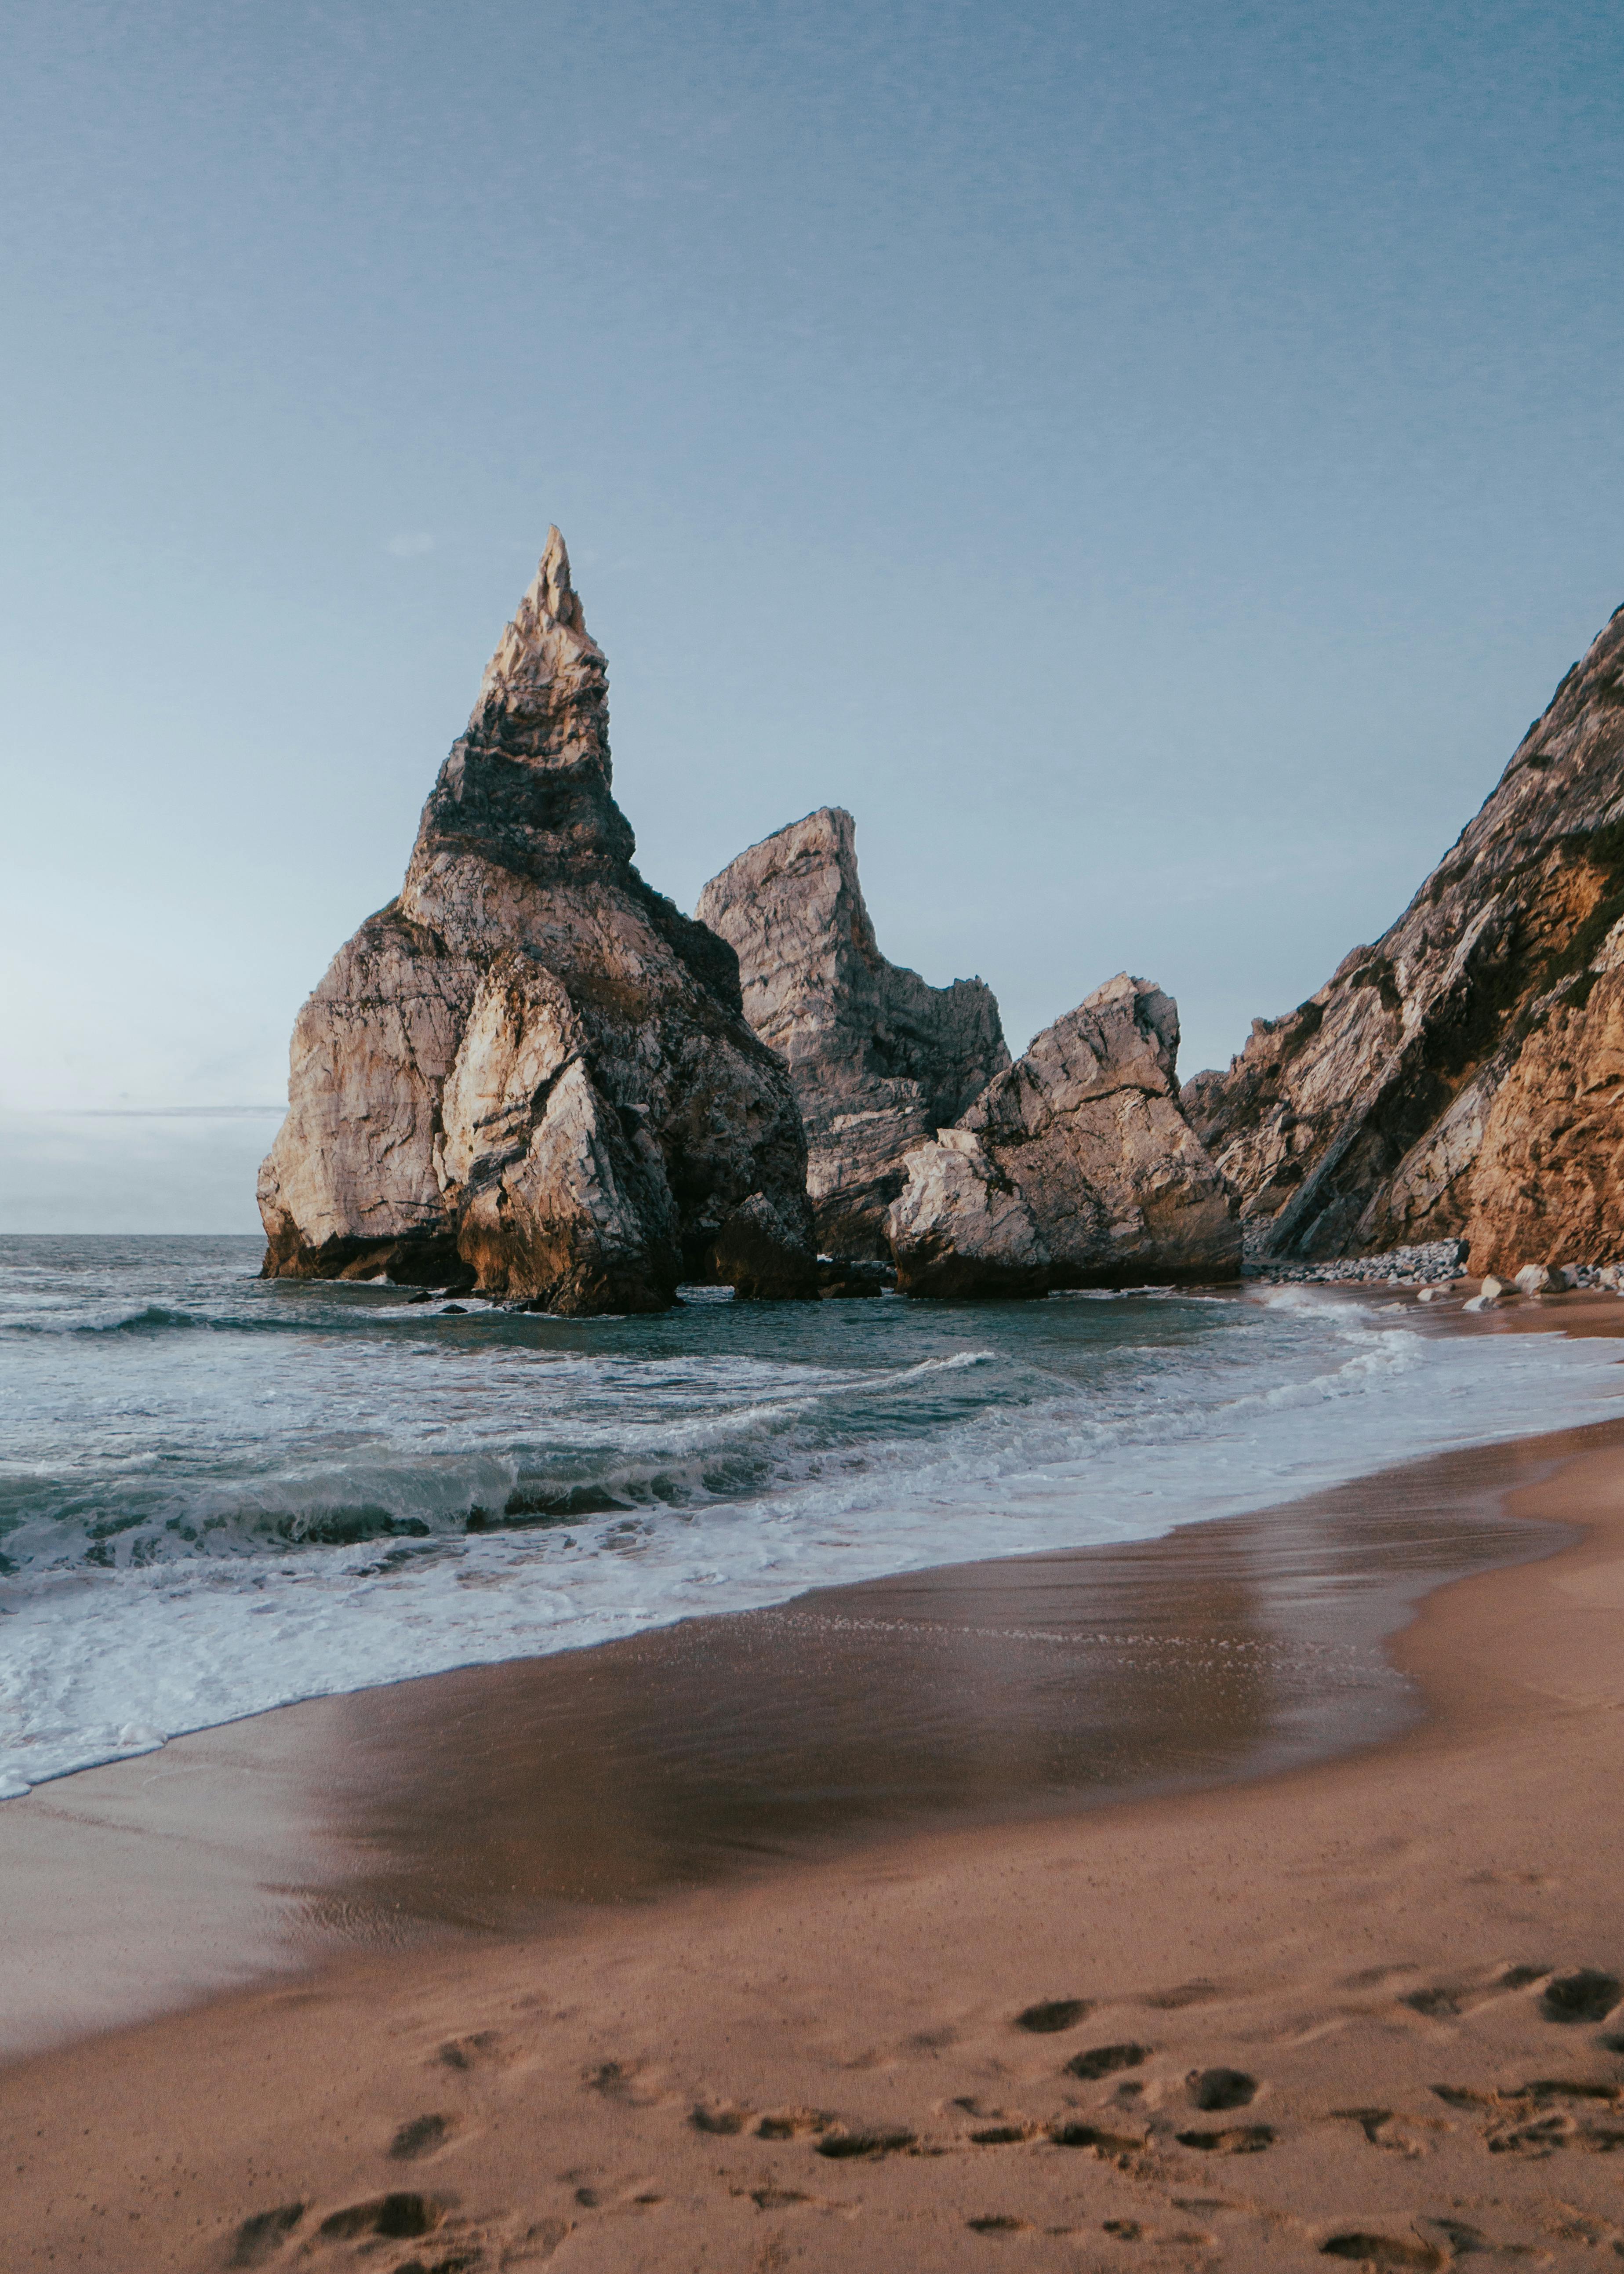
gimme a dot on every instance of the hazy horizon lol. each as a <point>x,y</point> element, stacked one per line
<point>1149,465</point>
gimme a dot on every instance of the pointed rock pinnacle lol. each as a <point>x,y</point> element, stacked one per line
<point>548,678</point>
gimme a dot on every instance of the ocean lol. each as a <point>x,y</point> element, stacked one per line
<point>219,1493</point>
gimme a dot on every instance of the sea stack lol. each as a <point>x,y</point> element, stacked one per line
<point>1461,1079</point>
<point>880,1060</point>
<point>531,1072</point>
<point>1074,1168</point>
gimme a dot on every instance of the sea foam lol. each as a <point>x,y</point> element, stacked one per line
<point>218,1495</point>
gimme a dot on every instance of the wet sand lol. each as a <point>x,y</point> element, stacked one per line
<point>982,1693</point>
<point>647,1955</point>
<point>509,1798</point>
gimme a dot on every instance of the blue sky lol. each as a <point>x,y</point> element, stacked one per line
<point>1149,463</point>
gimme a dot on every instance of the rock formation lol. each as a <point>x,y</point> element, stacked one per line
<point>1463,1077</point>
<point>530,1071</point>
<point>1074,1168</point>
<point>879,1059</point>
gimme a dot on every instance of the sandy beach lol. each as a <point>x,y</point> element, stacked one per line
<point>1237,1949</point>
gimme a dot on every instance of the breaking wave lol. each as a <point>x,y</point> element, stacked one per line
<point>219,1493</point>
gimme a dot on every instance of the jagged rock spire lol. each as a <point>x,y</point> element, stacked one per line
<point>545,690</point>
<point>878,1058</point>
<point>530,1068</point>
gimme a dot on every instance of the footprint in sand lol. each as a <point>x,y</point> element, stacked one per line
<point>1233,2140</point>
<point>1539,2117</point>
<point>1399,2134</point>
<point>1107,2145</point>
<point>536,2245</point>
<point>1185,1993</point>
<point>1539,2137</point>
<point>999,2222</point>
<point>635,2083</point>
<point>792,2123</point>
<point>470,2051</point>
<point>1381,2252</point>
<point>1133,2230</point>
<point>1050,2015</point>
<point>396,2218</point>
<point>1442,2003</point>
<point>1585,1995</point>
<point>721,2118</point>
<point>1447,2002</point>
<point>1222,2088</point>
<point>1106,2060</point>
<point>420,2137</point>
<point>843,2143</point>
<point>260,2236</point>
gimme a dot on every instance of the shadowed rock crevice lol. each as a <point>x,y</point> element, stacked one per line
<point>879,1059</point>
<point>532,1073</point>
<point>1461,1078</point>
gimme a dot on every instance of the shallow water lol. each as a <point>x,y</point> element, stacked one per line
<point>219,1493</point>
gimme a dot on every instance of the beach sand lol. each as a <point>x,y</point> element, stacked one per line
<point>710,1954</point>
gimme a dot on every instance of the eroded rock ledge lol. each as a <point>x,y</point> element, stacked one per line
<point>880,1060</point>
<point>1462,1078</point>
<point>532,1071</point>
<point>1074,1168</point>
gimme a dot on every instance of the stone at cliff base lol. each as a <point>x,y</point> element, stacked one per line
<point>879,1059</point>
<point>531,1072</point>
<point>1462,1076</point>
<point>1074,1168</point>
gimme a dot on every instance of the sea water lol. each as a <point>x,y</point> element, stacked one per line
<point>219,1493</point>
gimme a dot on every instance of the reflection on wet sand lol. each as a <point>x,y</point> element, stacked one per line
<point>491,1797</point>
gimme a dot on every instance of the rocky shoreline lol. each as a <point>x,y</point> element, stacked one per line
<point>1435,1264</point>
<point>1460,1079</point>
<point>531,1075</point>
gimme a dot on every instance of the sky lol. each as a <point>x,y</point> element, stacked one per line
<point>1148,461</point>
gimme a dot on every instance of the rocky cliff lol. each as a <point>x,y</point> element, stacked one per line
<point>879,1059</point>
<point>1074,1168</point>
<point>530,1071</point>
<point>1463,1077</point>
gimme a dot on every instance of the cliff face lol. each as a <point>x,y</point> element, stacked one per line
<point>879,1059</point>
<point>530,1071</point>
<point>1463,1077</point>
<point>1074,1168</point>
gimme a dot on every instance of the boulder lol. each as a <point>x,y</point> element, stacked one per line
<point>879,1059</point>
<point>1074,1168</point>
<point>531,1072</point>
<point>1462,1077</point>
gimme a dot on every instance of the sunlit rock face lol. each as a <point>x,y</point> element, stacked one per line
<point>531,1072</point>
<point>1074,1168</point>
<point>1463,1077</point>
<point>880,1060</point>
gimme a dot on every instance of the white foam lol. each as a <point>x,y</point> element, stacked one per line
<point>745,1474</point>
